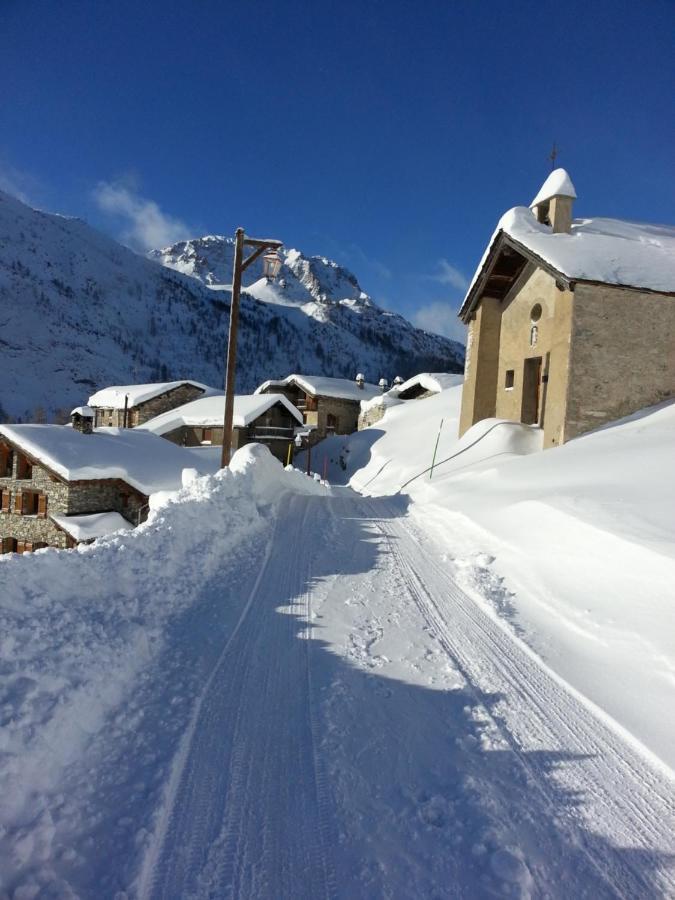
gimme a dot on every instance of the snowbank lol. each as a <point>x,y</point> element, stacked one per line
<point>575,546</point>
<point>76,627</point>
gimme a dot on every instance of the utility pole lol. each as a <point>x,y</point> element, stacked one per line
<point>272,264</point>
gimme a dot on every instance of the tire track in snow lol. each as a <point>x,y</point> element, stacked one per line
<point>246,812</point>
<point>626,801</point>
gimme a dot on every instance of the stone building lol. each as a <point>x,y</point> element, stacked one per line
<point>328,405</point>
<point>61,485</point>
<point>265,419</point>
<point>419,387</point>
<point>126,406</point>
<point>571,321</point>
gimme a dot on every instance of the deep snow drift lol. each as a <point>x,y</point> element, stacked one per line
<point>574,546</point>
<point>78,626</point>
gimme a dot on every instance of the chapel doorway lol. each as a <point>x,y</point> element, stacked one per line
<point>531,391</point>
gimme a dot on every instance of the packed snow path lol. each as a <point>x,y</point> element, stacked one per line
<point>369,730</point>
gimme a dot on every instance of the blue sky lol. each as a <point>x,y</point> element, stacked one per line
<point>388,135</point>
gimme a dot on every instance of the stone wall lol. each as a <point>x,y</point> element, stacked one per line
<point>32,528</point>
<point>623,354</point>
<point>143,412</point>
<point>63,498</point>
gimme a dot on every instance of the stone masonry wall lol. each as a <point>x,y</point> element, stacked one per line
<point>138,415</point>
<point>32,528</point>
<point>623,354</point>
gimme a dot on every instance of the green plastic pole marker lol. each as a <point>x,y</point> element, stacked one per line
<point>433,461</point>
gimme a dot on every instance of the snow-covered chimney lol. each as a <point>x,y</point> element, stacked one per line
<point>553,204</point>
<point>384,384</point>
<point>360,380</point>
<point>398,380</point>
<point>82,419</point>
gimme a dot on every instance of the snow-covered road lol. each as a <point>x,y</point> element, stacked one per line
<point>369,730</point>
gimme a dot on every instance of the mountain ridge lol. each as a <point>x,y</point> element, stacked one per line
<point>79,311</point>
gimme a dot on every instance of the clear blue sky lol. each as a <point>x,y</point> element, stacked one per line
<point>388,135</point>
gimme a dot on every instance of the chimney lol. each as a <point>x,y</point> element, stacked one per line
<point>383,384</point>
<point>82,419</point>
<point>360,380</point>
<point>553,204</point>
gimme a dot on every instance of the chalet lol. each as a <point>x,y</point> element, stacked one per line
<point>426,384</point>
<point>269,419</point>
<point>328,405</point>
<point>61,485</point>
<point>571,321</point>
<point>129,405</point>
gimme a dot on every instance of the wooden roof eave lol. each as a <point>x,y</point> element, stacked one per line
<point>504,240</point>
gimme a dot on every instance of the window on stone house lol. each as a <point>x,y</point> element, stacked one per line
<point>332,421</point>
<point>509,379</point>
<point>207,435</point>
<point>27,503</point>
<point>8,545</point>
<point>24,468</point>
<point>6,462</point>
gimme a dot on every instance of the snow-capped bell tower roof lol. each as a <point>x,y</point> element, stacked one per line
<point>558,184</point>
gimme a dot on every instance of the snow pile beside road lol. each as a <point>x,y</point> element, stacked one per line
<point>574,546</point>
<point>76,627</point>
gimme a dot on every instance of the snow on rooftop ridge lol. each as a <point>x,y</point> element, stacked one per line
<point>114,395</point>
<point>208,412</point>
<point>558,184</point>
<point>92,525</point>
<point>85,411</point>
<point>141,459</point>
<point>323,386</point>
<point>430,381</point>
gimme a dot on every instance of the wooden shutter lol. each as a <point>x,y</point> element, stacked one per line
<point>42,506</point>
<point>8,545</point>
<point>5,501</point>
<point>4,459</point>
<point>18,503</point>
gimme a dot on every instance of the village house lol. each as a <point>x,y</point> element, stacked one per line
<point>328,405</point>
<point>266,419</point>
<point>61,485</point>
<point>129,405</point>
<point>571,321</point>
<point>426,384</point>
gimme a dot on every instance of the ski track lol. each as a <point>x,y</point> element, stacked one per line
<point>255,810</point>
<point>250,816</point>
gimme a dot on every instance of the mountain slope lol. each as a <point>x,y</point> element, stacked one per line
<point>79,311</point>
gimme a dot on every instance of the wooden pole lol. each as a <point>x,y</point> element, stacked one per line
<point>433,461</point>
<point>126,410</point>
<point>288,455</point>
<point>230,375</point>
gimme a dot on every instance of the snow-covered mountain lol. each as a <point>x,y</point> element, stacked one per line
<point>79,311</point>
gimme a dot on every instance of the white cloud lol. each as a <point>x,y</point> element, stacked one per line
<point>448,274</point>
<point>440,317</point>
<point>147,226</point>
<point>15,182</point>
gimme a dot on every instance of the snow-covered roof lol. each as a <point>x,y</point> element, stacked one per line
<point>113,396</point>
<point>86,411</point>
<point>92,526</point>
<point>208,412</point>
<point>322,386</point>
<point>141,459</point>
<point>558,184</point>
<point>430,381</point>
<point>609,251</point>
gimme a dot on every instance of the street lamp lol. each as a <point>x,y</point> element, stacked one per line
<point>298,444</point>
<point>271,264</point>
<point>269,247</point>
